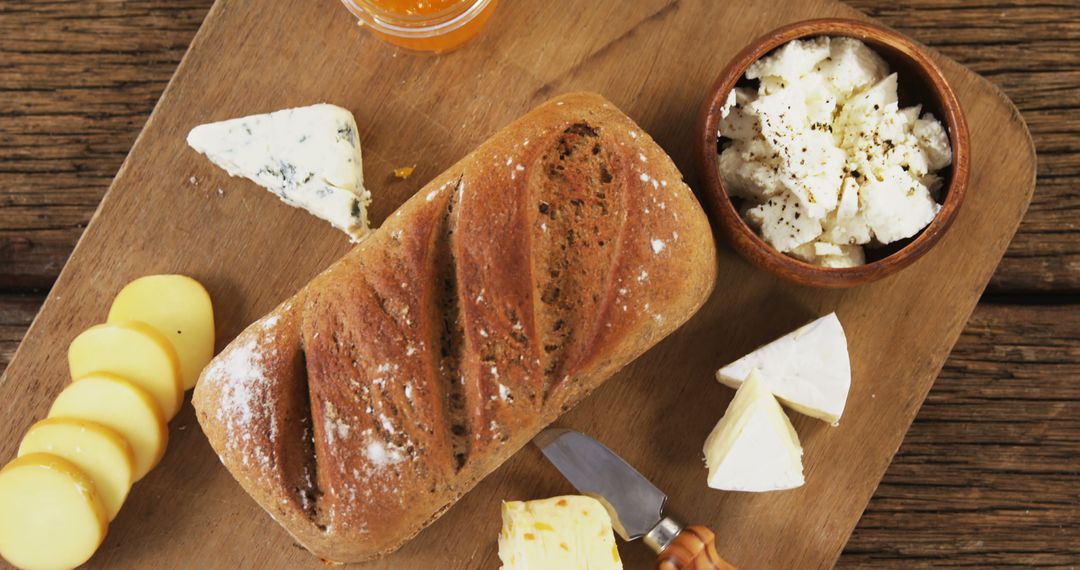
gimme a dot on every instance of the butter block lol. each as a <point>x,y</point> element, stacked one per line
<point>572,531</point>
<point>51,517</point>
<point>122,406</point>
<point>808,369</point>
<point>179,308</point>
<point>134,351</point>
<point>754,446</point>
<point>99,452</point>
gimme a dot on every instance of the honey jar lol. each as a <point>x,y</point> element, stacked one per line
<point>423,25</point>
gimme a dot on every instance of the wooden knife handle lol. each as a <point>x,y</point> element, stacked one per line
<point>693,549</point>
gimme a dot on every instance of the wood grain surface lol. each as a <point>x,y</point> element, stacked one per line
<point>988,473</point>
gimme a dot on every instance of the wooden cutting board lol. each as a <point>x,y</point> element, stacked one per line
<point>169,210</point>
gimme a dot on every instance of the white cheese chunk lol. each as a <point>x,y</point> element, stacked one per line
<point>728,104</point>
<point>911,114</point>
<point>808,369</point>
<point>849,256</point>
<point>878,96</point>
<point>824,248</point>
<point>898,206</point>
<point>751,170</point>
<point>561,532</point>
<point>934,141</point>
<point>804,252</point>
<point>827,254</point>
<point>783,222</point>
<point>821,98</point>
<point>847,225</point>
<point>813,171</point>
<point>754,446</point>
<point>851,66</point>
<point>307,156</point>
<point>736,121</point>
<point>848,206</point>
<point>782,116</point>
<point>791,60</point>
<point>806,161</point>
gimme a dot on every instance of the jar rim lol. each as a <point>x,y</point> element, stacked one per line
<point>417,26</point>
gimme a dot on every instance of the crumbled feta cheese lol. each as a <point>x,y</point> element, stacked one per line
<point>728,104</point>
<point>751,170</point>
<point>823,155</point>
<point>791,61</point>
<point>850,256</point>
<point>783,223</point>
<point>847,225</point>
<point>736,121</point>
<point>898,206</point>
<point>823,248</point>
<point>828,254</point>
<point>933,139</point>
<point>851,67</point>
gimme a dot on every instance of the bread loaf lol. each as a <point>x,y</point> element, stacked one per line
<point>491,302</point>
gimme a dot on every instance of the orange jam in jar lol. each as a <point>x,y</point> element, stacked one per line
<point>423,25</point>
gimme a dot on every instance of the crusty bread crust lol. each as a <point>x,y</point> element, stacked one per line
<point>491,302</point>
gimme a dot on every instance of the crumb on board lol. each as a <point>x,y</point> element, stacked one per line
<point>404,172</point>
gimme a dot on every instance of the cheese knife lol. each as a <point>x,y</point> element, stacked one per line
<point>636,506</point>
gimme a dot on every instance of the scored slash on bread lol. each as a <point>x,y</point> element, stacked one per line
<point>495,299</point>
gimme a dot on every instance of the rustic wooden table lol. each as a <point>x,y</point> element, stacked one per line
<point>989,474</point>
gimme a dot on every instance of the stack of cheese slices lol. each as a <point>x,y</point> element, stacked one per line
<point>108,428</point>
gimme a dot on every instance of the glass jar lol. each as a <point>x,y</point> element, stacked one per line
<point>423,25</point>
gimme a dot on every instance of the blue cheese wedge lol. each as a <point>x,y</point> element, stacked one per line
<point>754,447</point>
<point>808,369</point>
<point>572,531</point>
<point>307,156</point>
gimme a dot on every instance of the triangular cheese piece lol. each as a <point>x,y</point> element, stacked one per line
<point>809,369</point>
<point>754,447</point>
<point>308,156</point>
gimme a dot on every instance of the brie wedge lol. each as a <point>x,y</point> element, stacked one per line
<point>754,447</point>
<point>307,156</point>
<point>807,369</point>
<point>573,531</point>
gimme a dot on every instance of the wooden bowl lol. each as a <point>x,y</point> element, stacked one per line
<point>920,82</point>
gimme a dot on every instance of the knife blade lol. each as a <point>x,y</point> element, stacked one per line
<point>636,505</point>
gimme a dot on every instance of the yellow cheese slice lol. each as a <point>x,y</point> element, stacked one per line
<point>134,351</point>
<point>50,513</point>
<point>179,308</point>
<point>573,531</point>
<point>122,406</point>
<point>99,452</point>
